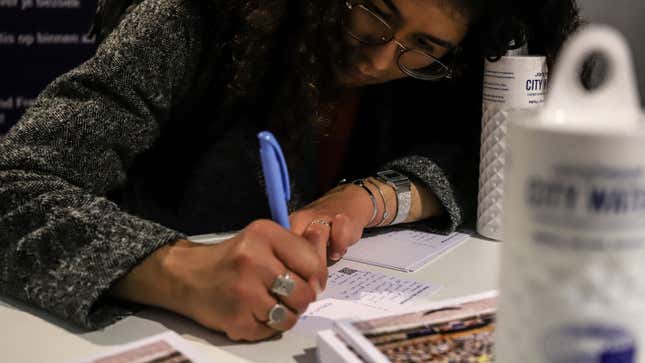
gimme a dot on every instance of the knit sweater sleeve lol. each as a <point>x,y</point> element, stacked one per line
<point>62,243</point>
<point>450,171</point>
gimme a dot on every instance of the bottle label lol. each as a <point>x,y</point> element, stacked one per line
<point>515,82</point>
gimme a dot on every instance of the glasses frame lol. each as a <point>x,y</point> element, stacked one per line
<point>402,47</point>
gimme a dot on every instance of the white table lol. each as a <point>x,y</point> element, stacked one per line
<point>27,335</point>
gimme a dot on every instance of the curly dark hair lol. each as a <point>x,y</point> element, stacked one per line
<point>284,51</point>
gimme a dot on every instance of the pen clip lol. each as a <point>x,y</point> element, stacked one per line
<point>268,139</point>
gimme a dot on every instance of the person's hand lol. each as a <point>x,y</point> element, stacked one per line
<point>335,221</point>
<point>227,286</point>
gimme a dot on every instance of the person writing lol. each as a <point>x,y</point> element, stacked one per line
<point>153,139</point>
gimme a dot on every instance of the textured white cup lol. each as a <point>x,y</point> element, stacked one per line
<point>573,261</point>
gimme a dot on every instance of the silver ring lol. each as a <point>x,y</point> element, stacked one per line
<point>321,221</point>
<point>277,314</point>
<point>283,285</point>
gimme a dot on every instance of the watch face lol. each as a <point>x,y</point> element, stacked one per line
<point>392,175</point>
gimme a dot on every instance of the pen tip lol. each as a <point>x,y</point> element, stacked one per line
<point>264,135</point>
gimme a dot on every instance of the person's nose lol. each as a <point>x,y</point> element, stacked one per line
<point>382,57</point>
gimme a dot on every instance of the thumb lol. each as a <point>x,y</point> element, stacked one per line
<point>344,234</point>
<point>318,236</point>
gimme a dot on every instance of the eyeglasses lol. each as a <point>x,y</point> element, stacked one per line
<point>367,27</point>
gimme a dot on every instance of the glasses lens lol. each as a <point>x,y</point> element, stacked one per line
<point>422,65</point>
<point>365,26</point>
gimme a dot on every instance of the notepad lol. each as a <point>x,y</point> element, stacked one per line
<point>403,250</point>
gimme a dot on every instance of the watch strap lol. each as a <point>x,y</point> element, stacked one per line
<point>402,187</point>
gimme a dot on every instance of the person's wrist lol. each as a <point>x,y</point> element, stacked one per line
<point>151,282</point>
<point>361,207</point>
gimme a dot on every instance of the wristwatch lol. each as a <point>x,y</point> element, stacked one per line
<point>401,185</point>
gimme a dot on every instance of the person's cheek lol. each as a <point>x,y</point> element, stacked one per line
<point>391,76</point>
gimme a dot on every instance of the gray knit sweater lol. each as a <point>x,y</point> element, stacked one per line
<point>108,166</point>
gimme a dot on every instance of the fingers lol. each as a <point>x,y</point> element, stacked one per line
<point>256,325</point>
<point>343,234</point>
<point>246,320</point>
<point>251,331</point>
<point>254,266</point>
<point>299,298</point>
<point>299,222</point>
<point>333,241</point>
<point>263,309</point>
<point>294,251</point>
<point>318,235</point>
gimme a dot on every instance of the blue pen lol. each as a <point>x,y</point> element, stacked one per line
<point>276,178</point>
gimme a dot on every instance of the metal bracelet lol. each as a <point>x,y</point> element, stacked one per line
<point>361,184</point>
<point>386,214</point>
<point>396,196</point>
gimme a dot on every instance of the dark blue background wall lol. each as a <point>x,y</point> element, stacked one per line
<point>39,40</point>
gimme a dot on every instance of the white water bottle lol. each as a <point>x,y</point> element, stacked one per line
<point>573,262</point>
<point>515,82</point>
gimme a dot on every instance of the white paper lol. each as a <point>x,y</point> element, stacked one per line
<point>403,250</point>
<point>165,347</point>
<point>352,293</point>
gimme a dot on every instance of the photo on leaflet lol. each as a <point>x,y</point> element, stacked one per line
<point>460,332</point>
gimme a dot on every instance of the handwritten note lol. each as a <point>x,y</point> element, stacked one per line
<point>352,293</point>
<point>372,289</point>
